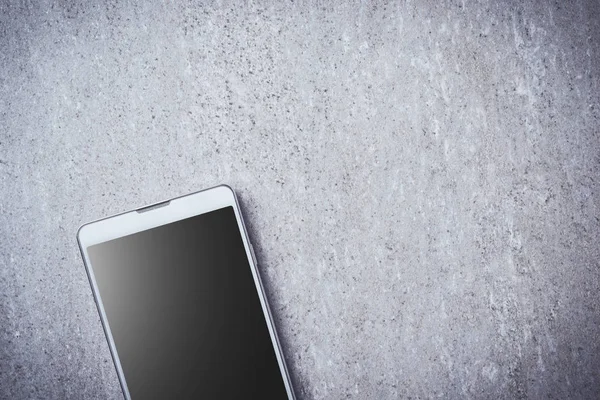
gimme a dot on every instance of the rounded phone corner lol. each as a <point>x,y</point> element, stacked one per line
<point>80,231</point>
<point>226,187</point>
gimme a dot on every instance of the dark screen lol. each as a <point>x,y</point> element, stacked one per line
<point>185,314</point>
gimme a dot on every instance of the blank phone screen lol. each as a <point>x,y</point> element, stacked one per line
<point>185,314</point>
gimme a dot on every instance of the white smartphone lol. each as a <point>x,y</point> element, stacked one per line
<point>181,301</point>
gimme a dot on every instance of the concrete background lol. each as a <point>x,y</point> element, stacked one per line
<point>420,179</point>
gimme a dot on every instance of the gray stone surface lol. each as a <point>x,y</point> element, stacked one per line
<point>420,179</point>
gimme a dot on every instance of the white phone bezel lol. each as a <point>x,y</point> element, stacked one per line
<point>162,213</point>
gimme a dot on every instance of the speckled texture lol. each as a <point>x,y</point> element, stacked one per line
<point>420,180</point>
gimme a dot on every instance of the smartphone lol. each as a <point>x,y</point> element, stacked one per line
<point>181,301</point>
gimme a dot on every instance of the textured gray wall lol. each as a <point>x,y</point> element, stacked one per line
<point>421,181</point>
